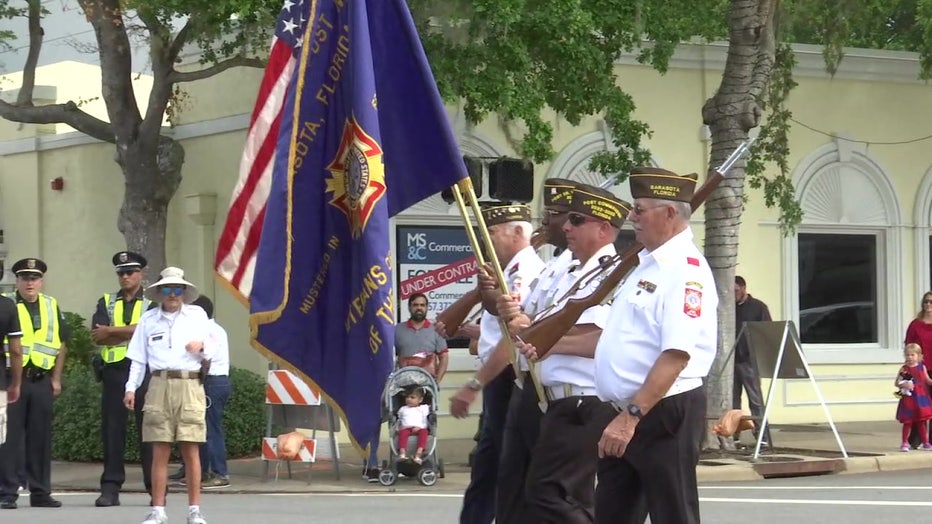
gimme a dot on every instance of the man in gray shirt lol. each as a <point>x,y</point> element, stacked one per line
<point>417,343</point>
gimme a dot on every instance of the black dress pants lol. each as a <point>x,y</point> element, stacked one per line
<point>522,426</point>
<point>29,427</point>
<point>113,415</point>
<point>658,469</point>
<point>561,480</point>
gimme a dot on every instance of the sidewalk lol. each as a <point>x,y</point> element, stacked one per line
<point>872,446</point>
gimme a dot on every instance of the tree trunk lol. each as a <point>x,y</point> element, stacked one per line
<point>730,115</point>
<point>151,180</point>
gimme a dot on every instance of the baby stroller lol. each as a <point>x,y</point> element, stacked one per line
<point>396,388</point>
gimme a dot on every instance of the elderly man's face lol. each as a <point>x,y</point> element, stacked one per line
<point>172,297</point>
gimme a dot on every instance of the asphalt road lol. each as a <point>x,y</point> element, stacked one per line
<point>868,499</point>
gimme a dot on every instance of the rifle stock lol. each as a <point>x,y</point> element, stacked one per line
<point>454,316</point>
<point>544,333</point>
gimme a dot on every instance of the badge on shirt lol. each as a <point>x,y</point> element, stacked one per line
<point>650,287</point>
<point>692,302</point>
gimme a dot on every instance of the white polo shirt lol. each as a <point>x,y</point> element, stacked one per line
<point>556,370</point>
<point>668,302</point>
<point>218,347</point>
<point>521,270</point>
<point>160,339</point>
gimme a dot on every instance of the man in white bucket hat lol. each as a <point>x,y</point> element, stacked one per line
<point>170,340</point>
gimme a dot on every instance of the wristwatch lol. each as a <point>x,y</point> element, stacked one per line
<point>474,384</point>
<point>634,411</point>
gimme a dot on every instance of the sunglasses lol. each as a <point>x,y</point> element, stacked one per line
<point>577,220</point>
<point>124,272</point>
<point>168,291</point>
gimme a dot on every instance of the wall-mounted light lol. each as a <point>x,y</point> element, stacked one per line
<point>57,184</point>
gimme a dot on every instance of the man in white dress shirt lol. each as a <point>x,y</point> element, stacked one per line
<point>170,340</point>
<point>651,359</point>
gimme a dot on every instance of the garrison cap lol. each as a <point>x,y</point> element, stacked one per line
<point>128,260</point>
<point>652,182</point>
<point>601,204</point>
<point>558,193</point>
<point>495,215</point>
<point>30,265</point>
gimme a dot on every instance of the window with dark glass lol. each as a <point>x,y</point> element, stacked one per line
<point>837,288</point>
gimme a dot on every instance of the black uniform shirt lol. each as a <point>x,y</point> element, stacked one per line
<point>9,328</point>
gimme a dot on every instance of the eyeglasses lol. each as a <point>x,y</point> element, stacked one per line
<point>124,272</point>
<point>553,212</point>
<point>577,220</point>
<point>924,302</point>
<point>168,291</point>
<point>639,210</point>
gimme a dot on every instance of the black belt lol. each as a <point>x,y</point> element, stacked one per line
<point>35,374</point>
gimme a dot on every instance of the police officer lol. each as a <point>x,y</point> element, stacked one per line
<point>113,324</point>
<point>561,475</point>
<point>651,360</point>
<point>510,232</point>
<point>30,419</point>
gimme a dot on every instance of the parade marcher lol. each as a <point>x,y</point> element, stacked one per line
<point>522,419</point>
<point>113,324</point>
<point>510,231</point>
<point>561,476</point>
<point>29,420</point>
<point>651,359</point>
<point>417,343</point>
<point>11,374</point>
<point>170,340</point>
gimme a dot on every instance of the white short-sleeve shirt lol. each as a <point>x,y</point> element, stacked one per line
<point>521,270</point>
<point>557,369</point>
<point>668,302</point>
<point>413,416</point>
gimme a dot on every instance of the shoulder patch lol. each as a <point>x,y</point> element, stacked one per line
<point>514,269</point>
<point>692,303</point>
<point>692,261</point>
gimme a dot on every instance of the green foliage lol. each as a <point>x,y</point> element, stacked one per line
<point>521,59</point>
<point>8,11</point>
<point>772,145</point>
<point>900,25</point>
<point>76,423</point>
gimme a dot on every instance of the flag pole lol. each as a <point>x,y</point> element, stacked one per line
<point>464,186</point>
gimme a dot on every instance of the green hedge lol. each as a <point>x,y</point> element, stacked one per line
<point>76,424</point>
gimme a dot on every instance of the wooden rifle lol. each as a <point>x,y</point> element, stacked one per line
<point>546,332</point>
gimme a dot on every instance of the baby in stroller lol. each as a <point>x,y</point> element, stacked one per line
<point>412,418</point>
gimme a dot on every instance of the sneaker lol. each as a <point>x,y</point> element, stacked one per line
<point>372,475</point>
<point>216,482</point>
<point>178,475</point>
<point>904,447</point>
<point>926,447</point>
<point>155,518</point>
<point>195,517</point>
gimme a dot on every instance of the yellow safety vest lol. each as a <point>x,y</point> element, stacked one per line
<point>111,354</point>
<point>40,347</point>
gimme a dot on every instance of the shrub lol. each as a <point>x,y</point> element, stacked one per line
<point>76,423</point>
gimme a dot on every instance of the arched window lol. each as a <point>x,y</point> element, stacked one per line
<point>922,217</point>
<point>844,287</point>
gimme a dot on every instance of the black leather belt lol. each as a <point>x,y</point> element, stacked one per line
<point>35,374</point>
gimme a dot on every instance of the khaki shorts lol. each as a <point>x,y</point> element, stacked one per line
<point>174,411</point>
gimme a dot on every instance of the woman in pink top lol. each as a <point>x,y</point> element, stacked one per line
<point>919,332</point>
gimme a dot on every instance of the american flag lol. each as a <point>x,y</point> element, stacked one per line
<point>239,241</point>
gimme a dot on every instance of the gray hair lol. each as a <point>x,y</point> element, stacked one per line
<point>683,209</point>
<point>526,228</point>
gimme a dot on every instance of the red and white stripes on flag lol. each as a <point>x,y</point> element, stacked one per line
<point>239,241</point>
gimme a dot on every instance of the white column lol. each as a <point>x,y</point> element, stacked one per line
<point>201,208</point>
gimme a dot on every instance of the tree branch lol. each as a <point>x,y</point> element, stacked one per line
<point>115,66</point>
<point>219,67</point>
<point>180,40</point>
<point>67,113</point>
<point>24,97</point>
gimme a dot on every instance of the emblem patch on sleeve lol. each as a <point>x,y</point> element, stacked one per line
<point>692,303</point>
